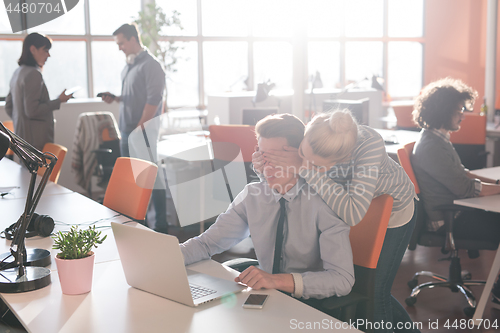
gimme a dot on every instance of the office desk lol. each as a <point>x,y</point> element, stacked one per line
<point>13,174</point>
<point>396,139</point>
<point>114,306</point>
<point>489,203</point>
<point>65,209</point>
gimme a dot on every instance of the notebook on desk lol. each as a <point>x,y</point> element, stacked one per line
<point>153,262</point>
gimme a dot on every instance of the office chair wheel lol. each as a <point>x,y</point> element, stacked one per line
<point>466,275</point>
<point>410,301</point>
<point>469,311</point>
<point>412,283</point>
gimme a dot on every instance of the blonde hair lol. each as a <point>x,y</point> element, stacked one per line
<point>333,135</point>
<point>281,126</point>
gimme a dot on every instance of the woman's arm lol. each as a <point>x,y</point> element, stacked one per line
<point>350,201</point>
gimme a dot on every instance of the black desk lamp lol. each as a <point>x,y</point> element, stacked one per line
<point>17,276</point>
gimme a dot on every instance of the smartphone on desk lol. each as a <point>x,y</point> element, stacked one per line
<point>255,301</point>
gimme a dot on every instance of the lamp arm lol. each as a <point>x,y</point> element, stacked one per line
<point>33,159</point>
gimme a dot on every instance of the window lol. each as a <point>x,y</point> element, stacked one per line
<point>226,44</point>
<point>225,66</point>
<point>107,16</point>
<point>10,51</point>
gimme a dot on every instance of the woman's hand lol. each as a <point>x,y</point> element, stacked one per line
<point>63,97</point>
<point>258,160</point>
<point>288,159</point>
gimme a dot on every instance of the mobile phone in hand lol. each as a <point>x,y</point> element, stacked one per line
<point>106,94</point>
<point>255,301</point>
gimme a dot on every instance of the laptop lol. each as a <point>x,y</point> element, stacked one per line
<point>153,262</point>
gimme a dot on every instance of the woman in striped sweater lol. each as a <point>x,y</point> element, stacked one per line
<point>348,166</point>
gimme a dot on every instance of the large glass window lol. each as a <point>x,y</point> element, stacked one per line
<point>273,61</point>
<point>107,16</point>
<point>225,66</point>
<point>324,58</point>
<point>108,63</point>
<point>66,68</point>
<point>187,15</point>
<point>228,43</point>
<point>182,85</point>
<point>405,70</point>
<point>225,17</point>
<point>71,23</point>
<point>406,18</point>
<point>10,51</point>
<point>364,18</point>
<point>363,59</point>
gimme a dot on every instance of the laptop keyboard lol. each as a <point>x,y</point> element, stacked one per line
<point>197,291</point>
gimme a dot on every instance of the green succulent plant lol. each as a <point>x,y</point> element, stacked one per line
<point>77,243</point>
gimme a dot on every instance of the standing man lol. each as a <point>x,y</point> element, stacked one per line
<point>143,86</point>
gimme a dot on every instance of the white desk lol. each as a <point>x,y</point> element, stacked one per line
<point>13,174</point>
<point>65,209</point>
<point>489,203</point>
<point>114,306</point>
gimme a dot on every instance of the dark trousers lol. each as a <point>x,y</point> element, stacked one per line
<point>158,196</point>
<point>387,308</point>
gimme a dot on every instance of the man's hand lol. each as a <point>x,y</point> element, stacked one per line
<point>256,278</point>
<point>108,97</point>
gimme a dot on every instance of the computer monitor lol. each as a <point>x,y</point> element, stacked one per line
<point>359,108</point>
<point>252,116</point>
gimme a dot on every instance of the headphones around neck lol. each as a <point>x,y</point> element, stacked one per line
<point>40,225</point>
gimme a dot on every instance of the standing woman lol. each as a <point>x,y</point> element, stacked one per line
<point>348,166</point>
<point>28,102</point>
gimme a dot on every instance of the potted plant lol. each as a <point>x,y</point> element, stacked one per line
<point>75,261</point>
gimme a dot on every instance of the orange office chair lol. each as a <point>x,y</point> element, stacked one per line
<point>60,152</point>
<point>9,124</point>
<point>447,242</point>
<point>241,135</point>
<point>129,188</point>
<point>367,238</point>
<point>470,141</point>
<point>404,117</point>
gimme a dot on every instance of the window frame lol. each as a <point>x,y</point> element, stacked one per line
<point>297,41</point>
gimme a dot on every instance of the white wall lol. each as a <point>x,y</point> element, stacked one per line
<point>66,118</point>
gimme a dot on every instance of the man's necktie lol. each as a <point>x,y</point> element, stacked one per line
<point>279,237</point>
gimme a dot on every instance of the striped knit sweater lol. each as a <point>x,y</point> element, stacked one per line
<point>348,188</point>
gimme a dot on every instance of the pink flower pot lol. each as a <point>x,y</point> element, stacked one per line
<point>75,275</point>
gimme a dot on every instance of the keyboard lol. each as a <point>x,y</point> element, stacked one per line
<point>198,291</point>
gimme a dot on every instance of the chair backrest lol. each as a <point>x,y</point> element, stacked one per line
<point>130,186</point>
<point>470,141</point>
<point>9,124</point>
<point>404,116</point>
<point>367,237</point>
<point>405,161</point>
<point>241,135</point>
<point>60,152</point>
<point>472,130</point>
